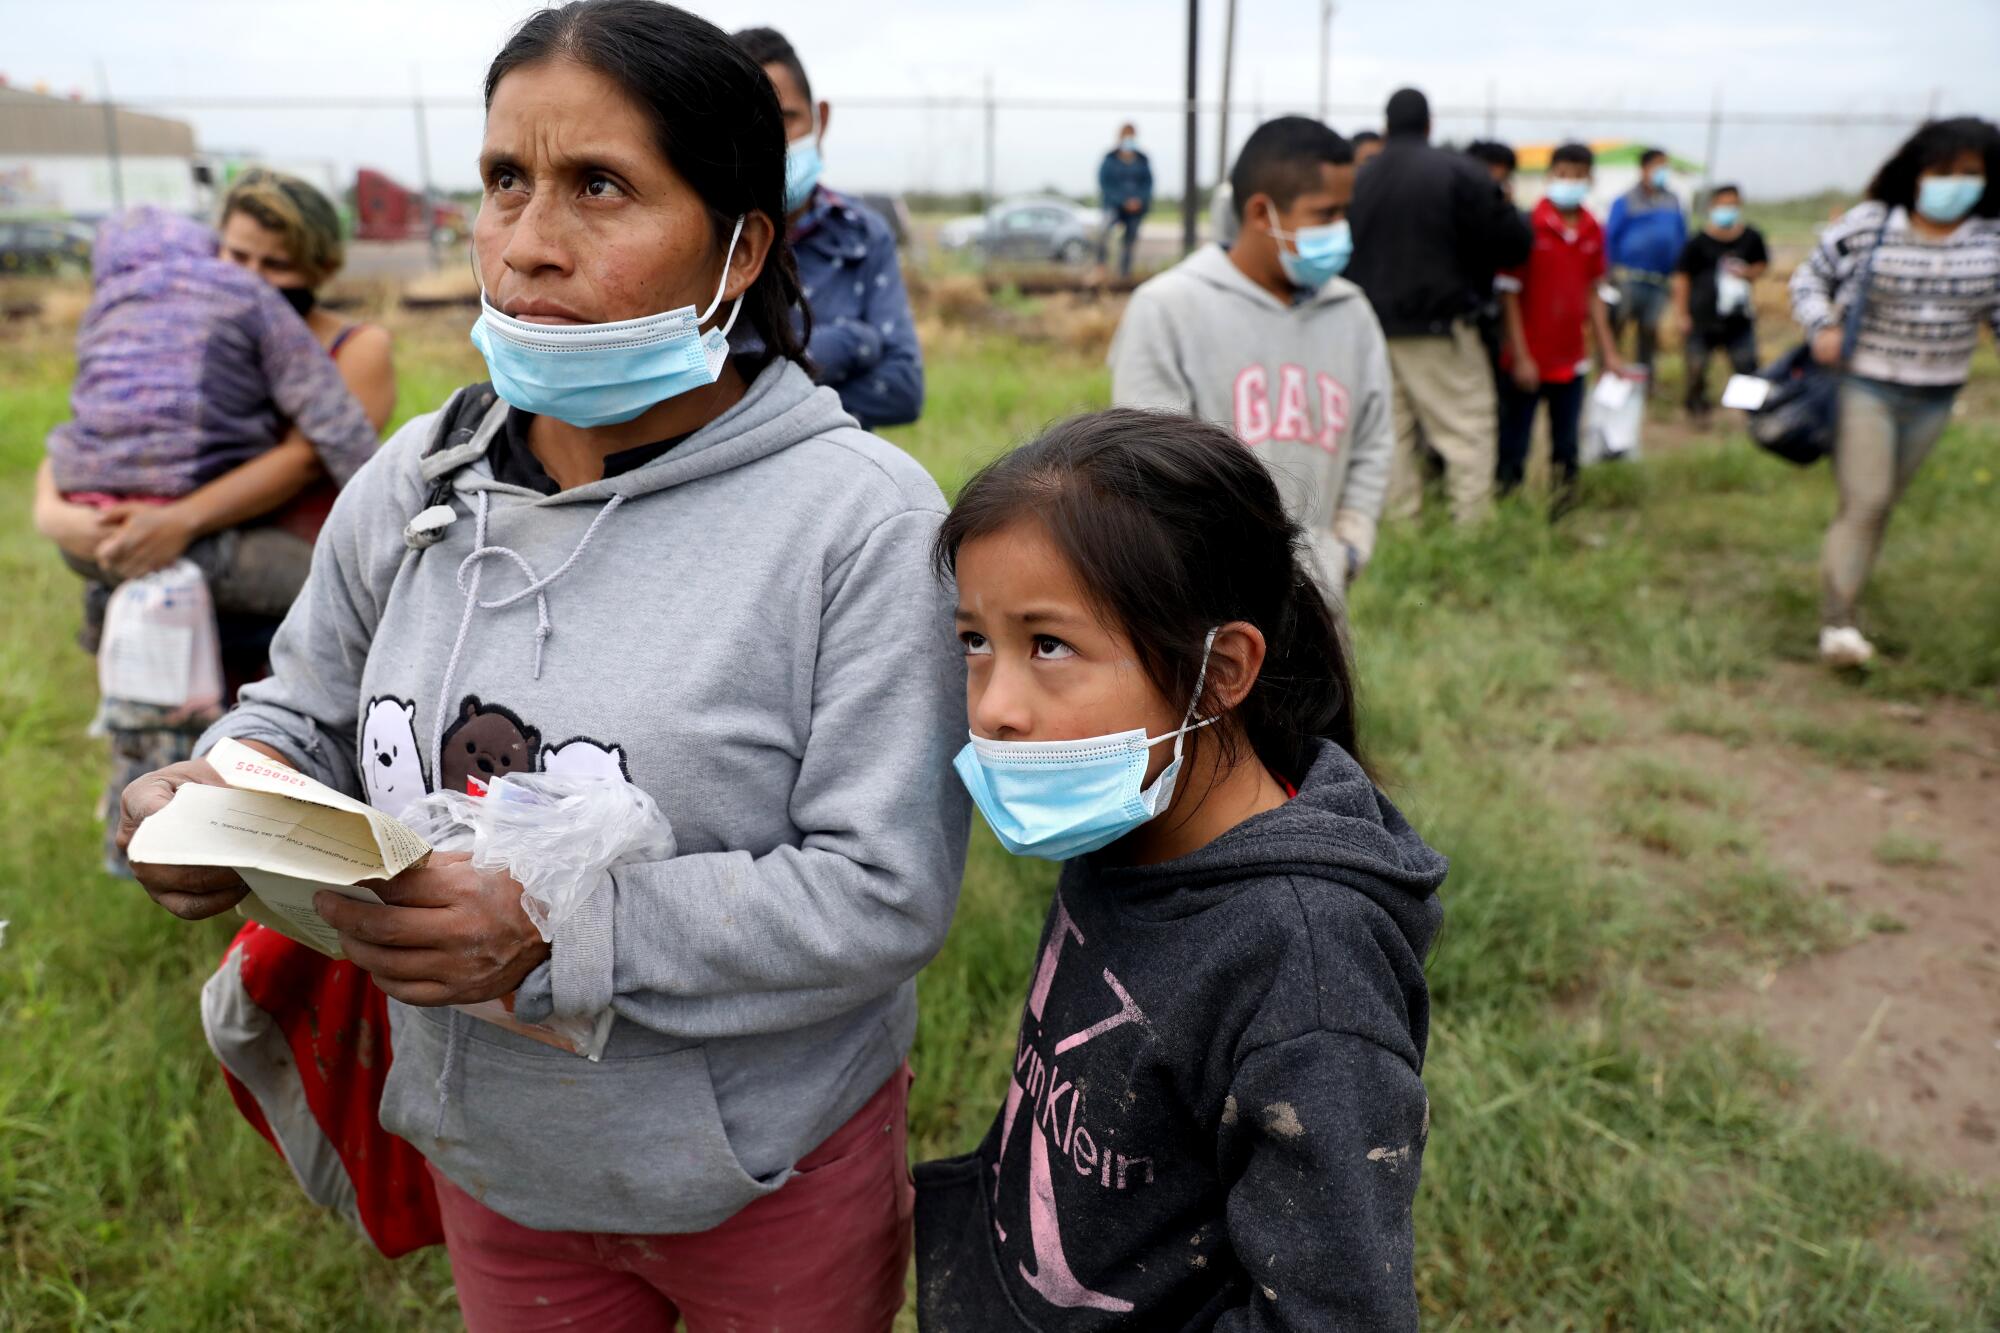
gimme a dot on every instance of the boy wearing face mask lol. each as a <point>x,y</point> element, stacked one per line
<point>1712,295</point>
<point>1268,339</point>
<point>864,340</point>
<point>1546,305</point>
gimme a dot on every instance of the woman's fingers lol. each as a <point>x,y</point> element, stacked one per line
<point>192,903</point>
<point>150,793</point>
<point>189,892</point>
<point>394,927</point>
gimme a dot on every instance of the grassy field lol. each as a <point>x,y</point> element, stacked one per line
<point>1598,1159</point>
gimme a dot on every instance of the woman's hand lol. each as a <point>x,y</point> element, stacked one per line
<point>1826,345</point>
<point>448,935</point>
<point>148,538</point>
<point>78,529</point>
<point>189,892</point>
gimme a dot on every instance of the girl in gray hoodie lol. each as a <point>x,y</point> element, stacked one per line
<point>1215,1116</point>
<point>636,557</point>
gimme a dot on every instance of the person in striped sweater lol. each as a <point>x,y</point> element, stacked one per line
<point>1929,222</point>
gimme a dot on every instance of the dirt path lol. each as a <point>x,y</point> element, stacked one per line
<point>1899,1030</point>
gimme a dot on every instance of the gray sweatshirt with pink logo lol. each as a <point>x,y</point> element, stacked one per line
<point>1304,385</point>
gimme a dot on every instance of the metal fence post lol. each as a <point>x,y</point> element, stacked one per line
<point>111,140</point>
<point>424,170</point>
<point>1188,186</point>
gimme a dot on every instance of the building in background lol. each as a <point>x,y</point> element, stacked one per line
<point>61,157</point>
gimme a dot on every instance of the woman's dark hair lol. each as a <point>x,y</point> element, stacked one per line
<point>1935,143</point>
<point>715,118</point>
<point>1176,528</point>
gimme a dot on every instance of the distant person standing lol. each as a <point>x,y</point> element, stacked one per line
<point>1645,233</point>
<point>1430,230</point>
<point>864,340</point>
<point>1367,146</point>
<point>1712,295</point>
<point>1499,161</point>
<point>1125,184</point>
<point>1268,339</point>
<point>1928,243</point>
<point>1550,307</point>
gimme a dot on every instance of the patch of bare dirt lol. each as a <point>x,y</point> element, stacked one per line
<point>1898,1031</point>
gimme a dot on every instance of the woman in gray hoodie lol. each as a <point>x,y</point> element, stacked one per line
<point>633,554</point>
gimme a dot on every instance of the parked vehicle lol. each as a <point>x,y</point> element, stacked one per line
<point>385,211</point>
<point>1035,228</point>
<point>43,247</point>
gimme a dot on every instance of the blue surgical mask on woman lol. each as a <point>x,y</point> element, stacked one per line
<point>1063,799</point>
<point>601,374</point>
<point>802,166</point>
<point>1317,255</point>
<point>1724,215</point>
<point>1568,194</point>
<point>1949,198</point>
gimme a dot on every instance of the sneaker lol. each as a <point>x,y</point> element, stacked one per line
<point>1843,646</point>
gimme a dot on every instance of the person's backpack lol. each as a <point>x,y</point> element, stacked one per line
<point>1800,418</point>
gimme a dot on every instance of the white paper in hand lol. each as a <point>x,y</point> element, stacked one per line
<point>1611,392</point>
<point>1746,393</point>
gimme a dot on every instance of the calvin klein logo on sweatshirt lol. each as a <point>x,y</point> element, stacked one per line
<point>1259,421</point>
<point>1059,1131</point>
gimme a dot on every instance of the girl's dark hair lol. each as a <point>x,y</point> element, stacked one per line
<point>1176,528</point>
<point>1935,143</point>
<point>715,118</point>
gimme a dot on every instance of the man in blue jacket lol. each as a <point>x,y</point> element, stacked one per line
<point>1125,183</point>
<point>1644,237</point>
<point>864,342</point>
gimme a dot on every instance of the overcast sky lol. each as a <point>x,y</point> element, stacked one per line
<point>1607,57</point>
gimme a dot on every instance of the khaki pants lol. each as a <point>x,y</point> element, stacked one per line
<point>1886,431</point>
<point>1443,396</point>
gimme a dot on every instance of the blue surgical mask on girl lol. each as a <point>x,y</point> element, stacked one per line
<point>1724,215</point>
<point>1318,253</point>
<point>1949,198</point>
<point>601,374</point>
<point>1062,799</point>
<point>802,167</point>
<point>1568,194</point>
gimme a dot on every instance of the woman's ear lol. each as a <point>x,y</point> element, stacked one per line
<point>753,247</point>
<point>1234,664</point>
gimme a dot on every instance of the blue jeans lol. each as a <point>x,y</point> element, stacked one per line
<point>1886,431</point>
<point>1114,220</point>
<point>1517,427</point>
<point>1642,299</point>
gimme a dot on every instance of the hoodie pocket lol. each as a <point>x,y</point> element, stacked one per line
<point>557,1143</point>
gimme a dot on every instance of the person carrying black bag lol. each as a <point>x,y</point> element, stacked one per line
<point>1919,261</point>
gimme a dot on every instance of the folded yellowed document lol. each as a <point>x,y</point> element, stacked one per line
<point>287,835</point>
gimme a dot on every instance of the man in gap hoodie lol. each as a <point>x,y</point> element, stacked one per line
<point>1267,339</point>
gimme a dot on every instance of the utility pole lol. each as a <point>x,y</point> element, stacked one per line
<point>1325,54</point>
<point>1228,72</point>
<point>1714,138</point>
<point>991,196</point>
<point>424,169</point>
<point>111,140</point>
<point>1188,187</point>
<point>1492,111</point>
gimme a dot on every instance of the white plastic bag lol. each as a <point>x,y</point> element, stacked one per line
<point>558,836</point>
<point>1732,293</point>
<point>1613,416</point>
<point>160,645</point>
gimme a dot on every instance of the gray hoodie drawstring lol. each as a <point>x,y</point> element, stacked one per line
<point>538,588</point>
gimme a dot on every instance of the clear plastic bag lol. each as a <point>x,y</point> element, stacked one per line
<point>160,647</point>
<point>558,836</point>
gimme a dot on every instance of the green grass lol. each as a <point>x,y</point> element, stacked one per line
<point>1597,1161</point>
<point>1900,850</point>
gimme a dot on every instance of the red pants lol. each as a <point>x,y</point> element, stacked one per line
<point>825,1254</point>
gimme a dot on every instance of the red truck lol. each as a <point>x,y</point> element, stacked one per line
<point>385,211</point>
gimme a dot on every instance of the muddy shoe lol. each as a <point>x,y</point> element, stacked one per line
<point>1843,646</point>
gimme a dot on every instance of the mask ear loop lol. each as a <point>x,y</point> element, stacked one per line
<point>1200,680</point>
<point>723,286</point>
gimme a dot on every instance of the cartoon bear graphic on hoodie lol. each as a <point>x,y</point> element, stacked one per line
<point>484,742</point>
<point>583,757</point>
<point>392,772</point>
